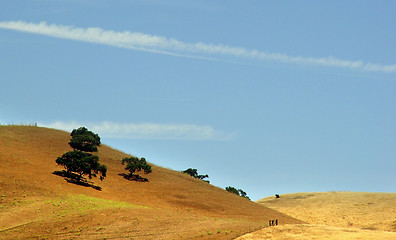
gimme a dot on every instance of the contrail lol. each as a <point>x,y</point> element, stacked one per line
<point>174,47</point>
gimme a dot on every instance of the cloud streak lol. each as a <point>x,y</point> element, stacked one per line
<point>170,46</point>
<point>152,131</point>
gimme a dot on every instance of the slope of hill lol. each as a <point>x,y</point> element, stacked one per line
<point>333,215</point>
<point>372,211</point>
<point>35,203</point>
<point>317,232</point>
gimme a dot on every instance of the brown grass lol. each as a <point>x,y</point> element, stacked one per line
<point>333,215</point>
<point>312,231</point>
<point>36,204</point>
<point>372,211</point>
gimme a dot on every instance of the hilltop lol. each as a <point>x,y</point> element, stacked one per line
<point>333,215</point>
<point>35,203</point>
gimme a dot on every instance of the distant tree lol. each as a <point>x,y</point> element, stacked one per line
<point>134,164</point>
<point>238,192</point>
<point>194,173</point>
<point>232,190</point>
<point>242,193</point>
<point>80,161</point>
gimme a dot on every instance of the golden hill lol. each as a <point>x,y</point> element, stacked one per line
<point>36,204</point>
<point>333,215</point>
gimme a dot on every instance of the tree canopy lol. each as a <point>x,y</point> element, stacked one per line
<point>84,140</point>
<point>194,173</point>
<point>135,164</point>
<point>238,192</point>
<point>80,161</point>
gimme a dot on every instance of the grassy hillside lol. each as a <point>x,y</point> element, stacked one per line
<point>333,215</point>
<point>317,232</point>
<point>37,204</point>
<point>371,211</point>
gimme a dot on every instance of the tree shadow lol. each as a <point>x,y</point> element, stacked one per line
<point>76,179</point>
<point>133,177</point>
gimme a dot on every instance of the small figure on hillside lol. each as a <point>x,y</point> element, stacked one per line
<point>277,195</point>
<point>269,223</point>
<point>276,222</point>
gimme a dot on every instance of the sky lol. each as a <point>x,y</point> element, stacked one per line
<point>271,97</point>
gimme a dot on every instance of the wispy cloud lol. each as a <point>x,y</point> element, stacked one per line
<point>146,130</point>
<point>170,46</point>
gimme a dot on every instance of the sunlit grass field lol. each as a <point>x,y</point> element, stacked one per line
<point>37,204</point>
<point>333,215</point>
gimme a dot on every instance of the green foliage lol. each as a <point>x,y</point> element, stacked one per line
<point>194,173</point>
<point>238,192</point>
<point>84,140</point>
<point>134,164</point>
<point>82,163</point>
<point>232,190</point>
<point>79,161</point>
<point>242,193</point>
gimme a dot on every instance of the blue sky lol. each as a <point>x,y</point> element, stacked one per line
<point>267,96</point>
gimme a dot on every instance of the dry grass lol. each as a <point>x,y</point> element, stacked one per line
<point>371,211</point>
<point>333,215</point>
<point>36,204</point>
<point>311,231</point>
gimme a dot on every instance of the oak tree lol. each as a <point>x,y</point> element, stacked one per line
<point>135,164</point>
<point>80,161</point>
